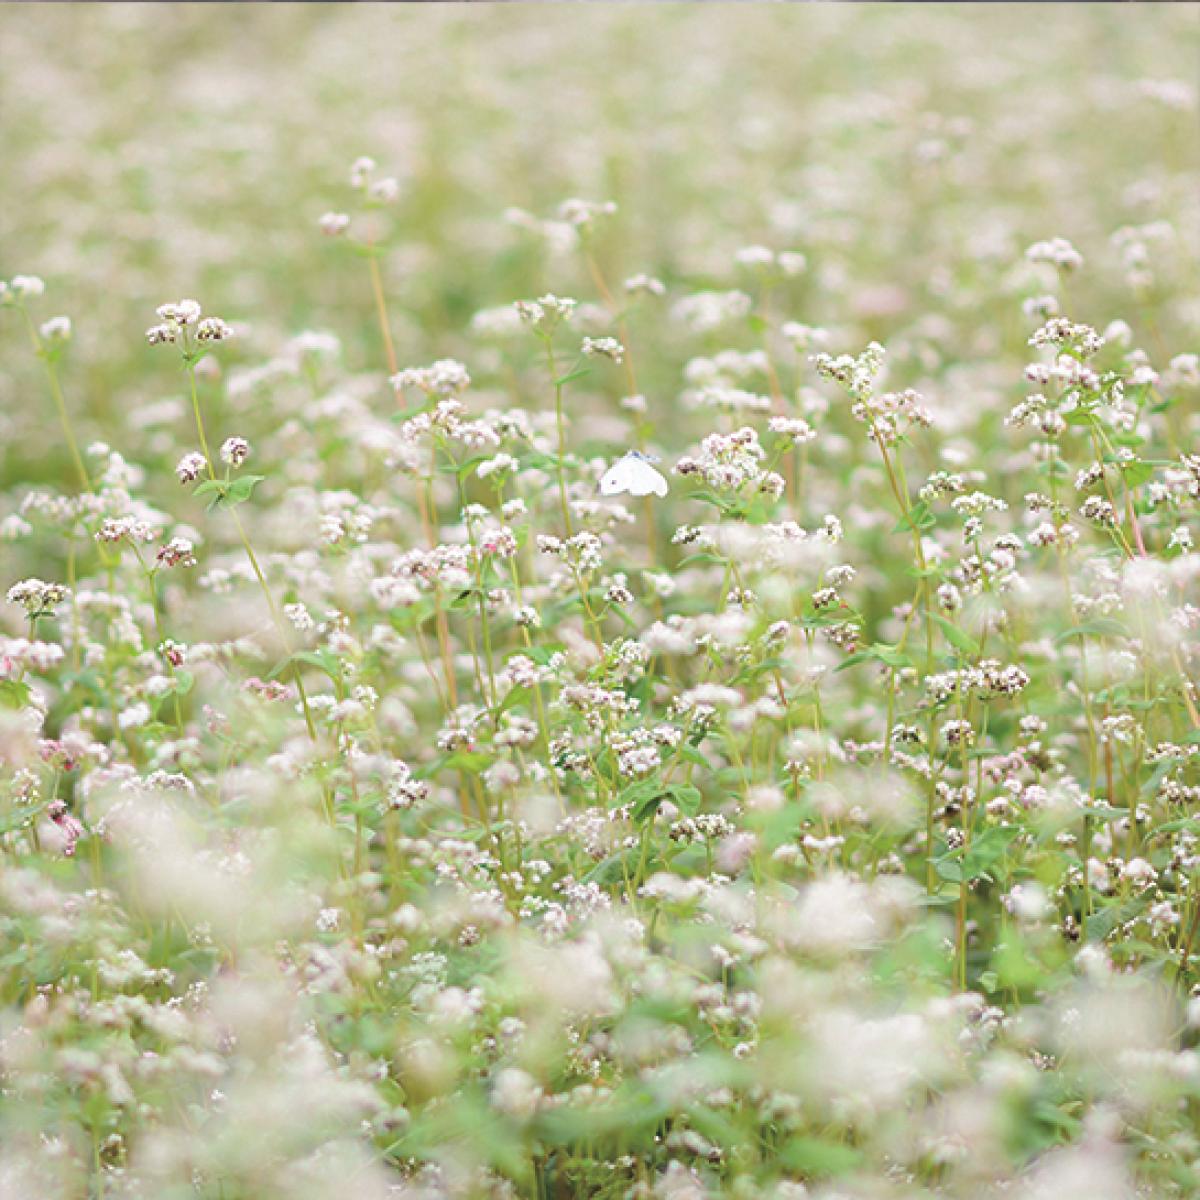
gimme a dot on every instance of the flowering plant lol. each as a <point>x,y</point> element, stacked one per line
<point>673,716</point>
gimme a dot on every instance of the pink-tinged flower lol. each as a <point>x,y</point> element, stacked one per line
<point>70,827</point>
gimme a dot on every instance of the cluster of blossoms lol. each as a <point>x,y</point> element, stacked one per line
<point>703,312</point>
<point>125,529</point>
<point>788,263</point>
<point>1059,332</point>
<point>185,318</point>
<point>484,820</point>
<point>381,189</point>
<point>989,679</point>
<point>56,330</point>
<point>235,451</point>
<point>1057,251</point>
<point>20,288</point>
<point>447,420</point>
<point>582,551</point>
<point>178,552</point>
<point>645,285</point>
<point>444,379</point>
<point>190,467</point>
<point>36,596</point>
<point>604,347</point>
<point>795,429</point>
<point>546,313</point>
<point>731,462</point>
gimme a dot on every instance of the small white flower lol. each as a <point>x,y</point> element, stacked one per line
<point>190,467</point>
<point>57,329</point>
<point>604,347</point>
<point>332,224</point>
<point>27,285</point>
<point>235,451</point>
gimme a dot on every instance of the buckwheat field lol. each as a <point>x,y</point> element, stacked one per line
<point>599,602</point>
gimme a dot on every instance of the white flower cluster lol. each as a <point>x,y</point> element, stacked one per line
<point>178,552</point>
<point>134,530</point>
<point>184,320</point>
<point>583,213</point>
<point>20,288</point>
<point>384,190</point>
<point>546,313</point>
<point>1056,251</point>
<point>1059,332</point>
<point>36,596</point>
<point>448,420</point>
<point>583,551</point>
<point>703,312</point>
<point>729,462</point>
<point>604,347</point>
<point>788,263</point>
<point>445,379</point>
<point>988,679</point>
<point>235,451</point>
<point>190,467</point>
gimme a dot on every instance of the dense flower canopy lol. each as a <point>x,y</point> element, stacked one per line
<point>650,650</point>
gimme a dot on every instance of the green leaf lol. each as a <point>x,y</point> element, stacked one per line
<point>1014,964</point>
<point>984,853</point>
<point>689,753</point>
<point>958,638</point>
<point>853,660</point>
<point>241,489</point>
<point>279,668</point>
<point>814,1157</point>
<point>616,867</point>
<point>1098,627</point>
<point>323,660</point>
<point>708,496</point>
<point>634,793</point>
<point>1136,473</point>
<point>1045,1111</point>
<point>632,1110</point>
<point>464,600</point>
<point>920,516</point>
<point>228,492</point>
<point>183,682</point>
<point>686,797</point>
<point>462,470</point>
<point>542,654</point>
<point>540,461</point>
<point>14,693</point>
<point>469,1121</point>
<point>513,697</point>
<point>470,761</point>
<point>987,850</point>
<point>578,373</point>
<point>1102,922</point>
<point>884,652</point>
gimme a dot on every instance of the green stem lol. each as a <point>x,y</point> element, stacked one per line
<point>59,400</point>
<point>562,439</point>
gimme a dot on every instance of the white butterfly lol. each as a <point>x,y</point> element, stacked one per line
<point>633,474</point>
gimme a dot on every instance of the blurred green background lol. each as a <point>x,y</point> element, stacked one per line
<point>911,151</point>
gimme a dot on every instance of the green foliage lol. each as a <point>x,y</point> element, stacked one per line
<point>430,824</point>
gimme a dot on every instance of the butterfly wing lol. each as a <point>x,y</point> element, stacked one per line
<point>644,480</point>
<point>614,480</point>
<point>632,474</point>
